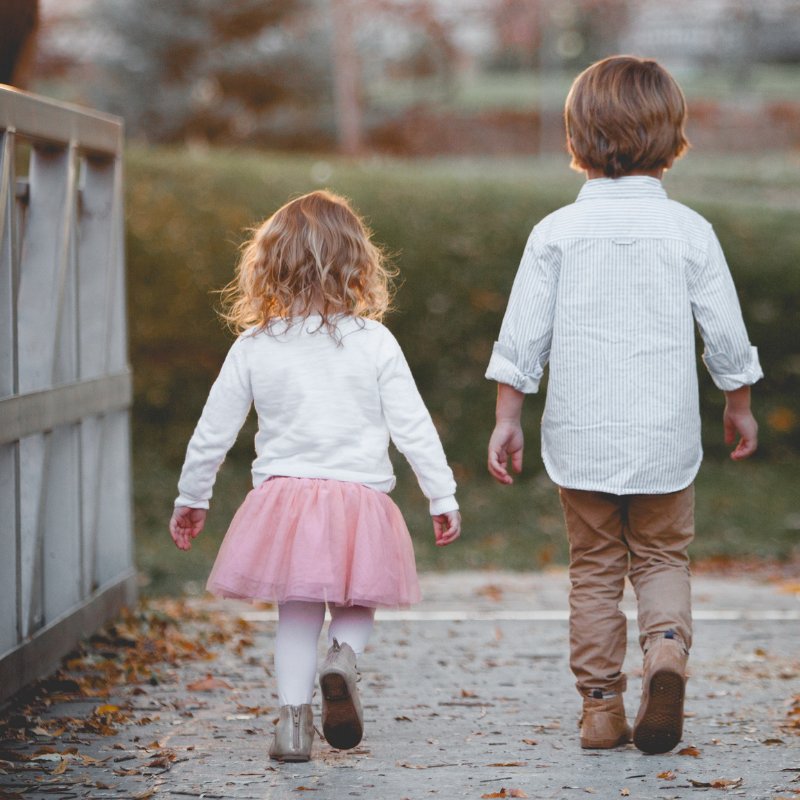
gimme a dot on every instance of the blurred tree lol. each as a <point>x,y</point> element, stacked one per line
<point>518,26</point>
<point>216,71</point>
<point>346,84</point>
<point>556,33</point>
<point>19,20</point>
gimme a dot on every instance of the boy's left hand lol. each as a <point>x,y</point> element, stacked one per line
<point>744,424</point>
<point>738,419</point>
<point>446,527</point>
<point>186,524</point>
<point>506,441</point>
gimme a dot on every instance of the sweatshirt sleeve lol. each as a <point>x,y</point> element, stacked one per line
<point>224,414</point>
<point>729,357</point>
<point>412,429</point>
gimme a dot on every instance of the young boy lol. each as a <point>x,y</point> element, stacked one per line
<point>608,291</point>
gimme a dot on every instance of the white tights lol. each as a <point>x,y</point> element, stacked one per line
<point>299,626</point>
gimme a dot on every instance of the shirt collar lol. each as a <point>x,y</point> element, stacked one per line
<point>626,187</point>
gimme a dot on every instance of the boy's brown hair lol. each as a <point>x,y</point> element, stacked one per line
<point>625,114</point>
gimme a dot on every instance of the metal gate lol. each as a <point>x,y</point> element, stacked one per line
<point>66,557</point>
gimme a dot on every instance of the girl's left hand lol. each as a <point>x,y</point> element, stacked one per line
<point>185,524</point>
<point>447,527</point>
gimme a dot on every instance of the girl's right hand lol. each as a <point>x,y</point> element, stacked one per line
<point>185,524</point>
<point>447,527</point>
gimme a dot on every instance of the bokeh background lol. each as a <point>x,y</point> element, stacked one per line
<point>441,120</point>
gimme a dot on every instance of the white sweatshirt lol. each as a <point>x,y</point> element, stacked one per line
<point>326,409</point>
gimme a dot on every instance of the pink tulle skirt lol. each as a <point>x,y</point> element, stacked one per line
<point>312,540</point>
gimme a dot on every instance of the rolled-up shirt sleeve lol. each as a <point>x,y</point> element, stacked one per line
<point>522,350</point>
<point>728,355</point>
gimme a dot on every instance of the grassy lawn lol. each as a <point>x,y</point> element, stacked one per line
<point>457,229</point>
<point>743,510</point>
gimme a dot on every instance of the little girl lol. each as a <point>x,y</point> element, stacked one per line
<point>330,386</point>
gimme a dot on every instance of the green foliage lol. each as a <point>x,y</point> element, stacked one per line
<point>457,231</point>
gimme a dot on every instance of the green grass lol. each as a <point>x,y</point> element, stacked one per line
<point>742,510</point>
<point>458,229</point>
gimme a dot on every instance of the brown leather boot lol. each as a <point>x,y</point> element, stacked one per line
<point>603,723</point>
<point>659,723</point>
<point>342,717</point>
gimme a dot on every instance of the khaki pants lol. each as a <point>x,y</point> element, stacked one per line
<point>645,537</point>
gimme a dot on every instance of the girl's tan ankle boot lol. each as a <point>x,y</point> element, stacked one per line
<point>294,734</point>
<point>342,717</point>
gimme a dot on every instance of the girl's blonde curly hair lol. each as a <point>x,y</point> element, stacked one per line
<point>312,256</point>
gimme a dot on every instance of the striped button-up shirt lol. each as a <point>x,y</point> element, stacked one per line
<point>608,292</point>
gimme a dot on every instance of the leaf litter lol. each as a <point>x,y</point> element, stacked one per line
<point>127,655</point>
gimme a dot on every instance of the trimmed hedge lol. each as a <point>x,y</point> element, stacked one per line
<point>457,231</point>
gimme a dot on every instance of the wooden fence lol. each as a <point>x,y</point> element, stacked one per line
<point>65,386</point>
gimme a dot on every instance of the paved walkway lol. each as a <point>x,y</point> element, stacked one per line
<point>469,695</point>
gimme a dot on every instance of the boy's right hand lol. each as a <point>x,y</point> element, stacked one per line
<point>506,442</point>
<point>185,524</point>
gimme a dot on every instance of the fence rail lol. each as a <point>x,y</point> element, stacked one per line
<point>65,384</point>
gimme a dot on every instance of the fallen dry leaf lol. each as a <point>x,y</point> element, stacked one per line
<point>208,684</point>
<point>491,592</point>
<point>625,792</point>
<point>508,764</point>
<point>505,793</point>
<point>531,742</point>
<point>468,693</point>
<point>669,775</point>
<point>163,761</point>
<point>719,783</point>
<point>793,714</point>
<point>61,768</point>
<point>689,751</point>
<point>254,710</point>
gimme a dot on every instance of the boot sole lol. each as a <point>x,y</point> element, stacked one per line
<point>340,726</point>
<point>606,744</point>
<point>660,725</point>
<point>292,758</point>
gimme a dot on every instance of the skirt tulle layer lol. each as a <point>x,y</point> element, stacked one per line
<point>317,540</point>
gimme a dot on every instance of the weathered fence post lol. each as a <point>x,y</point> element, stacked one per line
<point>65,384</point>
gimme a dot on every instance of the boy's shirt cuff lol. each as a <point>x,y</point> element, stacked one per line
<point>728,376</point>
<point>503,370</point>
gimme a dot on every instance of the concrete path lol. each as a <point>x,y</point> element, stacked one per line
<point>467,695</point>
